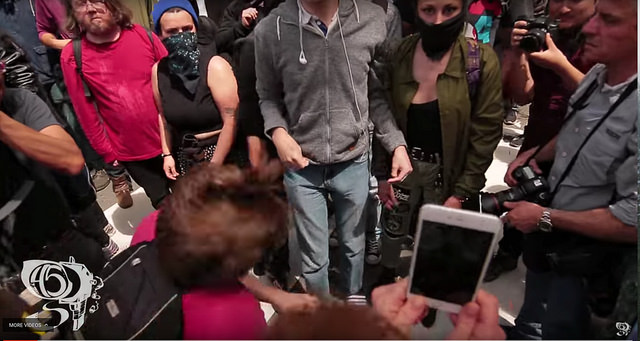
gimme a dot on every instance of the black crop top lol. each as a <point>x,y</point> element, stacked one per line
<point>186,113</point>
<point>423,127</point>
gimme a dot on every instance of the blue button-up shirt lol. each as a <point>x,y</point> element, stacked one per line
<point>605,173</point>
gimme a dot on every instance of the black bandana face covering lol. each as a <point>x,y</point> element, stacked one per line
<point>184,58</point>
<point>438,39</point>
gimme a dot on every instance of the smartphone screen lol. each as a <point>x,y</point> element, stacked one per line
<point>449,261</point>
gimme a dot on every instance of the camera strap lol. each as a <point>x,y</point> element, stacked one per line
<point>627,92</point>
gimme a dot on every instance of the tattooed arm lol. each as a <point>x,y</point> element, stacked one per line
<point>224,89</point>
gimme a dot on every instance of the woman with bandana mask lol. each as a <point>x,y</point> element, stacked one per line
<point>450,134</point>
<point>195,91</point>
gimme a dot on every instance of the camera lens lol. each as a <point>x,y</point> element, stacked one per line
<point>490,203</point>
<point>534,40</point>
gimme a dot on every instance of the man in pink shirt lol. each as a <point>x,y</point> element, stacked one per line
<point>51,17</point>
<point>119,117</point>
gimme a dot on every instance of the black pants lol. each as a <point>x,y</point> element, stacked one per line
<point>85,212</point>
<point>511,242</point>
<point>91,222</point>
<point>149,174</point>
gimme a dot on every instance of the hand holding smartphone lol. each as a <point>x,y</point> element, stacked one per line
<point>451,255</point>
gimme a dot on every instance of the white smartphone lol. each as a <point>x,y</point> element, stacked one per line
<point>451,255</point>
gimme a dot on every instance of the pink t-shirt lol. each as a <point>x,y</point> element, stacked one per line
<point>229,312</point>
<point>118,74</point>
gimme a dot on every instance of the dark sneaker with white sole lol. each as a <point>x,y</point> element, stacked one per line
<point>511,116</point>
<point>358,300</point>
<point>111,249</point>
<point>109,230</point>
<point>517,141</point>
<point>100,179</point>
<point>372,250</point>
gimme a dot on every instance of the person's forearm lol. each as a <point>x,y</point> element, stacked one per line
<point>165,136</point>
<point>51,41</point>
<point>59,154</point>
<point>599,223</point>
<point>519,79</point>
<point>225,141</point>
<point>547,153</point>
<point>257,149</point>
<point>263,293</point>
<point>571,76</point>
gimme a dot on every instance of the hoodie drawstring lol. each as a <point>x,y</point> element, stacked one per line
<point>278,27</point>
<point>302,59</point>
<point>355,3</point>
<point>346,55</point>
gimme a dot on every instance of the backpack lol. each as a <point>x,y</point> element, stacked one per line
<point>137,301</point>
<point>473,68</point>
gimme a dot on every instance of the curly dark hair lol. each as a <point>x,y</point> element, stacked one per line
<point>120,12</point>
<point>217,224</point>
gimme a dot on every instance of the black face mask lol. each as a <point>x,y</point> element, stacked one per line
<point>438,39</point>
<point>184,57</point>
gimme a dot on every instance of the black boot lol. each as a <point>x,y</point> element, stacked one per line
<point>501,263</point>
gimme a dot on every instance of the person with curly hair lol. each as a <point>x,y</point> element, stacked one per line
<point>210,232</point>
<point>112,94</point>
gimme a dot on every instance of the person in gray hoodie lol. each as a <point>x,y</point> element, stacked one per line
<point>317,92</point>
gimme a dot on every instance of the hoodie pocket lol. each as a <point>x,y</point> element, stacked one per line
<point>310,133</point>
<point>345,131</point>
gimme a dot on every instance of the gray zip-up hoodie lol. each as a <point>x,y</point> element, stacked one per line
<point>309,86</point>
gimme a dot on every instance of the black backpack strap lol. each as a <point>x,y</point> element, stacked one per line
<point>153,46</point>
<point>77,53</point>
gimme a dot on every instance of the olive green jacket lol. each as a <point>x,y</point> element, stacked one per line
<point>469,136</point>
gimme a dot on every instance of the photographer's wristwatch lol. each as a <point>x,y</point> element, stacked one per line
<point>545,222</point>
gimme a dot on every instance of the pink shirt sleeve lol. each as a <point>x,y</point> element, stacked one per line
<point>50,18</point>
<point>44,19</point>
<point>84,108</point>
<point>146,230</point>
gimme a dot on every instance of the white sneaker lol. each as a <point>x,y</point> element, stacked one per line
<point>109,230</point>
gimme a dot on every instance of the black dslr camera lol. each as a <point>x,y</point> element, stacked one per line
<point>531,187</point>
<point>537,29</point>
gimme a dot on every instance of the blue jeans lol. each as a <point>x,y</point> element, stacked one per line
<point>555,307</point>
<point>307,191</point>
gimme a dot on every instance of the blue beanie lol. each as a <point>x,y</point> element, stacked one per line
<point>164,5</point>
